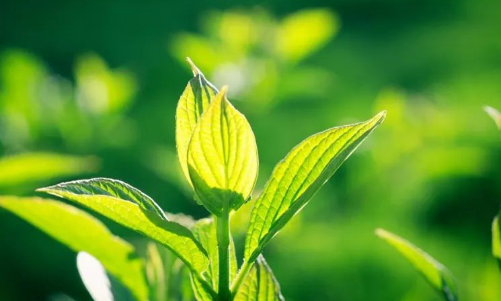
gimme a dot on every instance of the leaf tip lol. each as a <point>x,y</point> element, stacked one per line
<point>194,68</point>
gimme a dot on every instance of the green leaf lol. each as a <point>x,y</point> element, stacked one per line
<point>495,115</point>
<point>156,273</point>
<point>33,167</point>
<point>192,103</point>
<point>80,231</point>
<point>130,214</point>
<point>299,176</point>
<point>222,157</point>
<point>260,284</point>
<point>100,285</point>
<point>496,240</point>
<point>433,271</point>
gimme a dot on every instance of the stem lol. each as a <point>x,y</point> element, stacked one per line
<point>242,273</point>
<point>223,246</point>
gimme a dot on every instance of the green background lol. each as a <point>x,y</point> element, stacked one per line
<point>99,81</point>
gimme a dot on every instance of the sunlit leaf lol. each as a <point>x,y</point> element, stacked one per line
<point>495,115</point>
<point>192,103</point>
<point>31,167</point>
<point>433,271</point>
<point>260,284</point>
<point>127,213</point>
<point>82,232</point>
<point>299,176</point>
<point>496,240</point>
<point>222,157</point>
<point>305,31</point>
<point>100,285</point>
<point>156,273</point>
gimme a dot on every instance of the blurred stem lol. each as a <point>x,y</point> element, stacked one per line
<point>223,245</point>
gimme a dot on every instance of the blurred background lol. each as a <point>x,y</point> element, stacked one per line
<point>89,88</point>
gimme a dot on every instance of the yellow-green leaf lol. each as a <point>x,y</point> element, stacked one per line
<point>433,271</point>
<point>130,214</point>
<point>496,240</point>
<point>192,103</point>
<point>260,284</point>
<point>80,231</point>
<point>299,176</point>
<point>222,157</point>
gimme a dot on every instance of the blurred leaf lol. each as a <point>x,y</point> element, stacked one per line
<point>260,284</point>
<point>222,157</point>
<point>299,176</point>
<point>156,273</point>
<point>82,232</point>
<point>192,104</point>
<point>496,240</point>
<point>32,167</point>
<point>433,271</point>
<point>101,90</point>
<point>495,115</point>
<point>172,235</point>
<point>305,31</point>
<point>99,284</point>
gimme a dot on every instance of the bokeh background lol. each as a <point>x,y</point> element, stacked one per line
<point>89,88</point>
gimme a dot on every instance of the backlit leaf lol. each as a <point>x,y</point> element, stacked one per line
<point>299,176</point>
<point>130,214</point>
<point>222,157</point>
<point>433,271</point>
<point>82,232</point>
<point>260,284</point>
<point>156,273</point>
<point>192,103</point>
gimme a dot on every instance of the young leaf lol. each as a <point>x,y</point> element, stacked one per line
<point>260,284</point>
<point>192,103</point>
<point>433,271</point>
<point>100,285</point>
<point>299,176</point>
<point>496,240</point>
<point>82,232</point>
<point>127,213</point>
<point>222,157</point>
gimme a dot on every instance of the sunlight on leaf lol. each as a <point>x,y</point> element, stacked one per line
<point>299,176</point>
<point>32,167</point>
<point>129,214</point>
<point>305,31</point>
<point>260,284</point>
<point>222,157</point>
<point>82,232</point>
<point>433,271</point>
<point>156,273</point>
<point>192,104</point>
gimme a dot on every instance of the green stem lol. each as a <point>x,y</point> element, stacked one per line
<point>223,245</point>
<point>242,273</point>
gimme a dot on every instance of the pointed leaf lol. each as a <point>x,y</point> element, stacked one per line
<point>299,176</point>
<point>192,103</point>
<point>129,214</point>
<point>82,232</point>
<point>100,285</point>
<point>222,157</point>
<point>496,240</point>
<point>433,271</point>
<point>260,284</point>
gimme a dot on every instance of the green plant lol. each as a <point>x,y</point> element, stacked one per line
<point>218,155</point>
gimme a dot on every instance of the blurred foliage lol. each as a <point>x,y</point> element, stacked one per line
<point>430,173</point>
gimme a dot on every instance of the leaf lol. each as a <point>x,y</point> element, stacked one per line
<point>156,273</point>
<point>260,284</point>
<point>433,271</point>
<point>100,285</point>
<point>495,115</point>
<point>299,176</point>
<point>192,103</point>
<point>222,157</point>
<point>129,214</point>
<point>32,167</point>
<point>496,240</point>
<point>304,32</point>
<point>80,231</point>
